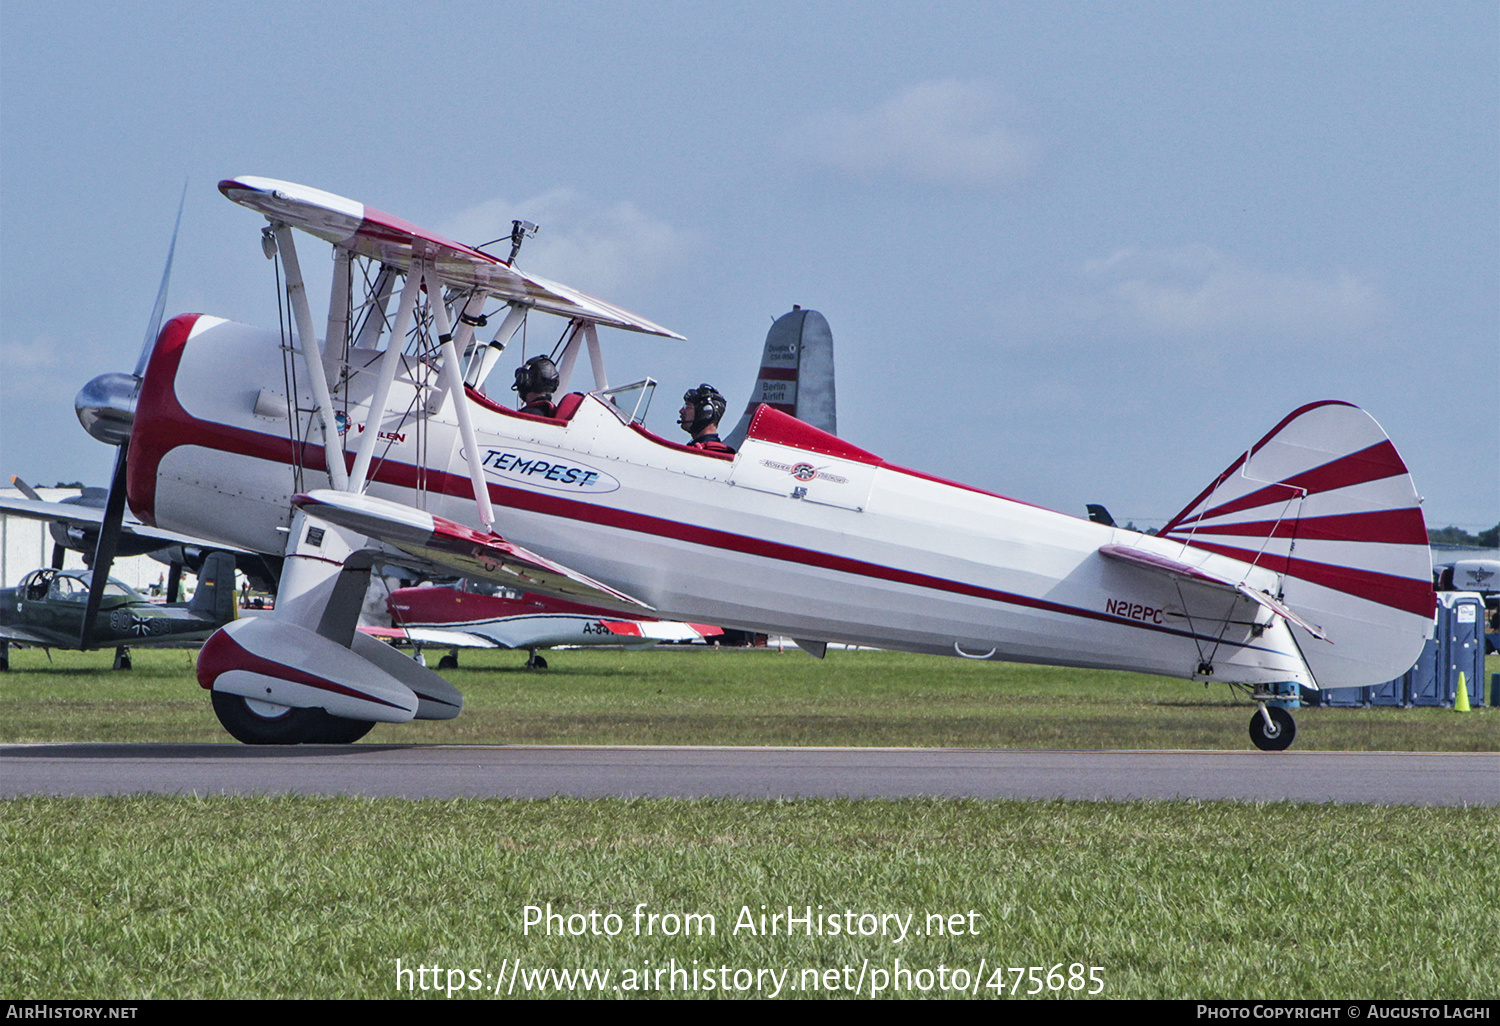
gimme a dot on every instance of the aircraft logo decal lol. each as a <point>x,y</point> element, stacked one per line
<point>806,472</point>
<point>544,471</point>
<point>126,622</point>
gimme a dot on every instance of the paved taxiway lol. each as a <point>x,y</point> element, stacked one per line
<point>450,771</point>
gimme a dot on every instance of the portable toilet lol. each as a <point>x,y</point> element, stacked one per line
<point>1457,648</point>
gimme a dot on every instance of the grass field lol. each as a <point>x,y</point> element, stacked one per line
<point>153,897</point>
<point>160,897</point>
<point>740,697</point>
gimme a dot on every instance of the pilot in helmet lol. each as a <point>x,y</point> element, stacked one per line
<point>536,380</point>
<point>702,407</point>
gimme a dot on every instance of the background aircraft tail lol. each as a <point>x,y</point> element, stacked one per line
<point>214,596</point>
<point>796,373</point>
<point>1325,500</point>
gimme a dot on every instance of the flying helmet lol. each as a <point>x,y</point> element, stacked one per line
<point>708,407</point>
<point>538,374</point>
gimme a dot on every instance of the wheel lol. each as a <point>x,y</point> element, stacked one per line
<point>340,730</point>
<point>536,662</point>
<point>122,658</point>
<point>1279,738</point>
<point>261,723</point>
<point>448,662</point>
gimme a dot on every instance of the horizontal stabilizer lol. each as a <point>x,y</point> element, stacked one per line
<point>437,542</point>
<point>1173,568</point>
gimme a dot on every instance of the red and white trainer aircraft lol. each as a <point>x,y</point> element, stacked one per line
<point>1305,563</point>
<point>477,615</point>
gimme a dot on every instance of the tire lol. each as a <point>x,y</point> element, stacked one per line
<point>289,727</point>
<point>1278,740</point>
<point>340,730</point>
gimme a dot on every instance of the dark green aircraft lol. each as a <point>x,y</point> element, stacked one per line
<point>47,608</point>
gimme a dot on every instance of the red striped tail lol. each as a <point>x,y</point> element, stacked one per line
<point>1325,501</point>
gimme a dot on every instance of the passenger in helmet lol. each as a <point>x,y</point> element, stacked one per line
<point>536,380</point>
<point>702,407</point>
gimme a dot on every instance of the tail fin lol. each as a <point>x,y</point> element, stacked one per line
<point>1325,501</point>
<point>796,373</point>
<point>214,596</point>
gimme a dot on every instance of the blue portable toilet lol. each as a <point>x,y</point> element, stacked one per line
<point>1458,647</point>
<point>1420,679</point>
<point>1342,697</point>
<point>1464,645</point>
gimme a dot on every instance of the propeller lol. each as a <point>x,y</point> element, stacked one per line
<point>106,408</point>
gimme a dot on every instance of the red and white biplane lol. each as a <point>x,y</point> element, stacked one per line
<point>1305,563</point>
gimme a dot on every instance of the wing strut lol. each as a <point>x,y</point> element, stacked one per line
<point>393,349</point>
<point>484,361</point>
<point>453,381</point>
<point>581,332</point>
<point>312,357</point>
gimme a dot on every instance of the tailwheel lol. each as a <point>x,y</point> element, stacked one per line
<point>1278,734</point>
<point>261,723</point>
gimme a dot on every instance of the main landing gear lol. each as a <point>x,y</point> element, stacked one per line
<point>261,723</point>
<point>536,662</point>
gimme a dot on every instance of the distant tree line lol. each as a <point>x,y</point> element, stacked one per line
<point>1458,536</point>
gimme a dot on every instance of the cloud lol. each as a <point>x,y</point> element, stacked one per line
<point>41,377</point>
<point>1196,291</point>
<point>945,132</point>
<point>602,249</point>
<point>40,354</point>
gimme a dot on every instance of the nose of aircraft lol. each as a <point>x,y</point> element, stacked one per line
<point>106,406</point>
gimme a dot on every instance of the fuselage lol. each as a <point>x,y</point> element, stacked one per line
<point>800,533</point>
<point>47,608</point>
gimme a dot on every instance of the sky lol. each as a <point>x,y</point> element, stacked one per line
<point>1070,252</point>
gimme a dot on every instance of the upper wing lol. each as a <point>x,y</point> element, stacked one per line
<point>380,236</point>
<point>1173,568</point>
<point>436,542</point>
